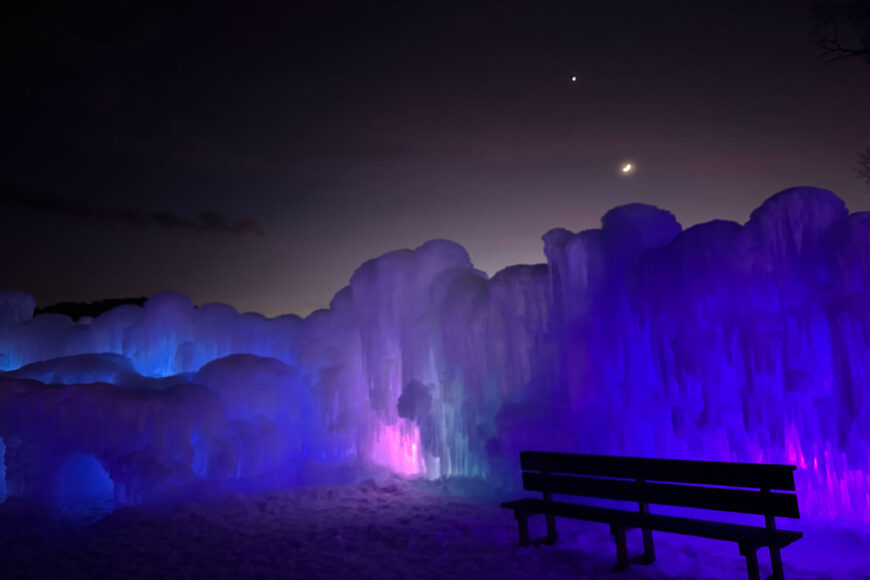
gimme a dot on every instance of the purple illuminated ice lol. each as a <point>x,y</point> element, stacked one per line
<point>722,342</point>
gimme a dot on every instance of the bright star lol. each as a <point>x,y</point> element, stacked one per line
<point>627,168</point>
<point>573,79</point>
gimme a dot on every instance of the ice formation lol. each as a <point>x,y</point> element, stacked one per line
<point>722,342</point>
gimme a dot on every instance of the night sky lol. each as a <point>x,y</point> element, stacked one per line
<point>257,153</point>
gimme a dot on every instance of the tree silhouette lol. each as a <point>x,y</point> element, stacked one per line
<point>863,170</point>
<point>76,310</point>
<point>841,28</point>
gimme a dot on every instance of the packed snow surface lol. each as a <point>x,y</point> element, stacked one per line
<point>389,528</point>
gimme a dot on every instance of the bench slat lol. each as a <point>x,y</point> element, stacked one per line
<point>778,477</point>
<point>742,533</point>
<point>732,500</point>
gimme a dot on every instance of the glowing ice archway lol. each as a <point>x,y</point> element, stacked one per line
<point>84,484</point>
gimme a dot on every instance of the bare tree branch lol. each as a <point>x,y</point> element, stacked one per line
<point>863,169</point>
<point>833,47</point>
<point>833,18</point>
<point>830,19</point>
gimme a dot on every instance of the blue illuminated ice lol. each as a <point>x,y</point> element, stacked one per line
<point>724,341</point>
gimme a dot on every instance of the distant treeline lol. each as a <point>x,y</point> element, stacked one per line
<point>76,310</point>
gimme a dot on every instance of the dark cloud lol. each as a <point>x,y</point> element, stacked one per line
<point>23,198</point>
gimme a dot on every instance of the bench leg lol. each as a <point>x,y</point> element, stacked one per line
<point>552,536</point>
<point>649,551</point>
<point>523,523</point>
<point>621,549</point>
<point>776,563</point>
<point>751,560</point>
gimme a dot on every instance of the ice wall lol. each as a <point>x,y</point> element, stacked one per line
<point>723,342</point>
<point>720,342</point>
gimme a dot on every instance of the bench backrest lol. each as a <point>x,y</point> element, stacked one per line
<point>673,482</point>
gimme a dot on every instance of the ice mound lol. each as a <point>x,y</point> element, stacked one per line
<point>82,368</point>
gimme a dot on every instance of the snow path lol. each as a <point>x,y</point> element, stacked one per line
<point>389,529</point>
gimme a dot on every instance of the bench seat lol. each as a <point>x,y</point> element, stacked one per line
<point>751,535</point>
<point>755,489</point>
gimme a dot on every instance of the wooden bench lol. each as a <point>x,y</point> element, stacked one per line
<point>668,482</point>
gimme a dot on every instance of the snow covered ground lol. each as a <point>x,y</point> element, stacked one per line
<point>390,528</point>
